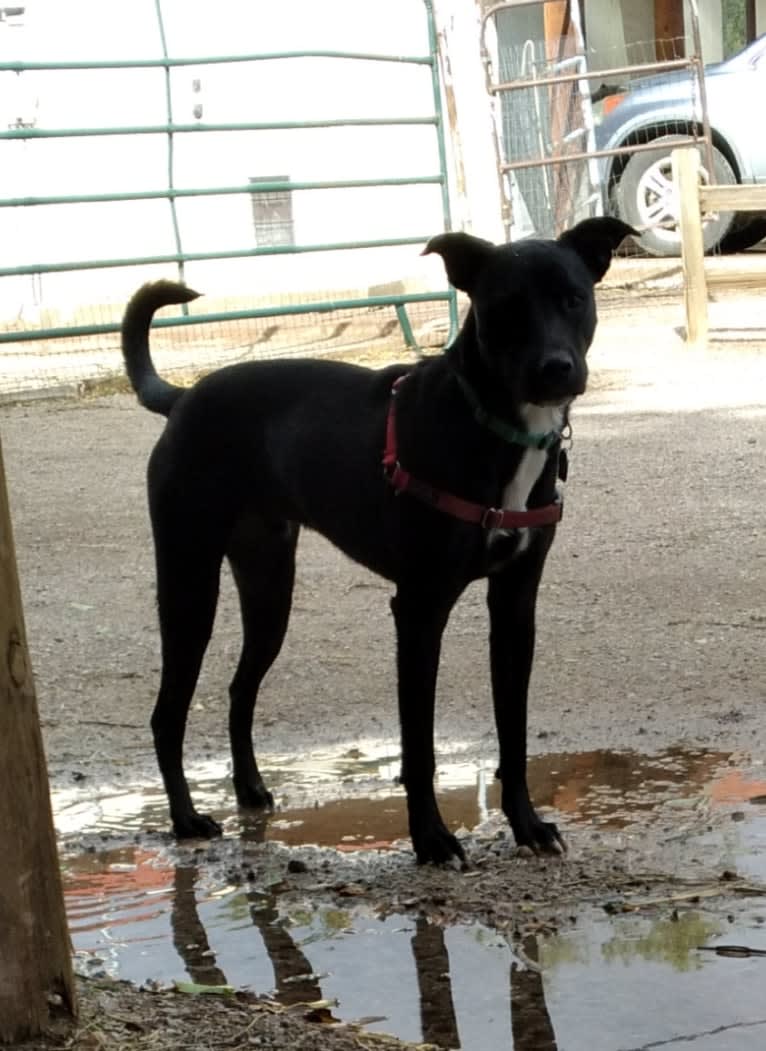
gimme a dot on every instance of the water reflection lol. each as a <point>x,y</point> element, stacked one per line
<point>633,982</point>
<point>530,1021</point>
<point>454,986</point>
<point>189,934</point>
<point>126,905</point>
<point>606,789</point>
<point>295,981</point>
<point>437,1010</point>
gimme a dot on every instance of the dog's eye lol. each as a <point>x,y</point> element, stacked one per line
<point>573,301</point>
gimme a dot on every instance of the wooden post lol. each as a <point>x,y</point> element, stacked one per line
<point>560,44</point>
<point>36,979</point>
<point>668,29</point>
<point>556,24</point>
<point>686,168</point>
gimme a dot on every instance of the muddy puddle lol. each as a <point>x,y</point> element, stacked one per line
<point>142,911</point>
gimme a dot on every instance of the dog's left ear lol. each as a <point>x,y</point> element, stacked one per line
<point>464,257</point>
<point>595,240</point>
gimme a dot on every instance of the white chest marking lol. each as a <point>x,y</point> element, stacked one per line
<point>539,419</point>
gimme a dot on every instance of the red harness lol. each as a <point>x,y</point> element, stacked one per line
<point>465,510</point>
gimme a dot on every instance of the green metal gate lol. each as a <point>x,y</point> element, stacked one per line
<point>264,193</point>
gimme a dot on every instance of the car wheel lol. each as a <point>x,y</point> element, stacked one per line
<point>744,234</point>
<point>645,197</point>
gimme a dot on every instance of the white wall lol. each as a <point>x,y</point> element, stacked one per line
<point>606,33</point>
<point>638,20</point>
<point>291,90</point>
<point>477,204</point>
<point>711,29</point>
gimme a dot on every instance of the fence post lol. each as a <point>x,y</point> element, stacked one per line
<point>686,169</point>
<point>36,979</point>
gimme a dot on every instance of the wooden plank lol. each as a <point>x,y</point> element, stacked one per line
<point>729,272</point>
<point>36,979</point>
<point>686,166</point>
<point>739,198</point>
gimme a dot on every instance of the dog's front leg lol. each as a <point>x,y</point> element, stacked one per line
<point>512,598</point>
<point>420,623</point>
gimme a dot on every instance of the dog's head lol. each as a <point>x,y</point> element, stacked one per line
<point>533,306</point>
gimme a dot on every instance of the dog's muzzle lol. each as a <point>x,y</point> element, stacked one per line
<point>560,377</point>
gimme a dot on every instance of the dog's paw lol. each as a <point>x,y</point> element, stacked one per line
<point>254,796</point>
<point>437,846</point>
<point>542,837</point>
<point>196,826</point>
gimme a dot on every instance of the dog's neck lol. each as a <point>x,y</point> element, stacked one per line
<point>532,464</point>
<point>467,364</point>
<point>517,490</point>
<point>526,425</point>
<point>526,437</point>
<point>530,433</point>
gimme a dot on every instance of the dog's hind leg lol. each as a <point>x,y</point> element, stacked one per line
<point>188,573</point>
<point>420,623</point>
<point>262,559</point>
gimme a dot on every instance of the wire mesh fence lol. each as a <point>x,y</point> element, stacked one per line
<point>573,119</point>
<point>78,363</point>
<point>542,121</point>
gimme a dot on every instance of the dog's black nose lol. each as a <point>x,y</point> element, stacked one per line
<point>556,368</point>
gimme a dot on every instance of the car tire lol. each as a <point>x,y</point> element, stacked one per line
<point>748,231</point>
<point>643,197</point>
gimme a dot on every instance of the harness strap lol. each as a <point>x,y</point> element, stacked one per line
<point>467,511</point>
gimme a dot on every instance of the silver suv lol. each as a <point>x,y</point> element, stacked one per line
<point>638,187</point>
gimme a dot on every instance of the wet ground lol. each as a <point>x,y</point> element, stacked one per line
<point>238,915</point>
<point>646,730</point>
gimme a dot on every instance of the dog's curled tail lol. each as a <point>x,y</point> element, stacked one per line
<point>153,392</point>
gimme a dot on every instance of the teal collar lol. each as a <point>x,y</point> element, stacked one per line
<point>529,439</point>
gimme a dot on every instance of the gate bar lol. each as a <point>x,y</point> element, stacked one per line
<point>213,191</point>
<point>198,257</point>
<point>159,63</point>
<point>398,301</point>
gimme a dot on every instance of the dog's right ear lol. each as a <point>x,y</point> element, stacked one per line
<point>464,257</point>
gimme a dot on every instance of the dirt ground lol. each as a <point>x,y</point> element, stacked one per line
<point>651,634</point>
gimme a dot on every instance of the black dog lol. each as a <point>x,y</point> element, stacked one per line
<point>406,483</point>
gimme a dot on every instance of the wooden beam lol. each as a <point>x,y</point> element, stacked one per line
<point>668,29</point>
<point>686,175</point>
<point>734,274</point>
<point>36,979</point>
<point>739,198</point>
